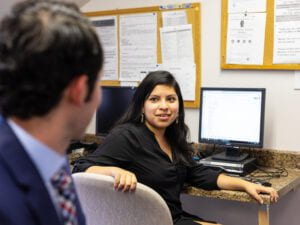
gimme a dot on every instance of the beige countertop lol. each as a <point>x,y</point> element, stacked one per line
<point>283,185</point>
<point>267,158</point>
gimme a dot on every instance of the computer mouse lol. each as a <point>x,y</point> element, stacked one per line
<point>266,183</point>
<point>262,182</point>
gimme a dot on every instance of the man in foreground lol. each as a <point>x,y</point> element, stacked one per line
<point>50,61</point>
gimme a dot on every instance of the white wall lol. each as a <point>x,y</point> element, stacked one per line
<point>282,120</point>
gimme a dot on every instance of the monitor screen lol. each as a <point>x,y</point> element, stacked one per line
<point>232,116</point>
<point>115,101</point>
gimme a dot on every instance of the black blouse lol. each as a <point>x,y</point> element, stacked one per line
<point>133,147</point>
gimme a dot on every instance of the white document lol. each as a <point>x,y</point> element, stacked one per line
<point>286,32</point>
<point>238,6</point>
<point>129,84</point>
<point>146,70</point>
<point>174,18</point>
<point>136,72</point>
<point>106,28</point>
<point>245,38</point>
<point>185,75</point>
<point>177,44</point>
<point>138,44</point>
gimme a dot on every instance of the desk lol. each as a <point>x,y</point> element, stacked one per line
<point>265,157</point>
<point>268,158</point>
<point>282,185</point>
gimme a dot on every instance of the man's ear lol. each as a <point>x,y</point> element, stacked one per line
<point>78,90</point>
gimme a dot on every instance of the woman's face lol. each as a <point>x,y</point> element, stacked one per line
<point>161,108</point>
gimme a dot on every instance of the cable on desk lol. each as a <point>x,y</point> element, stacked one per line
<point>262,175</point>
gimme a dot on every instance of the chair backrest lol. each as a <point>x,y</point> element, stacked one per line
<point>103,205</point>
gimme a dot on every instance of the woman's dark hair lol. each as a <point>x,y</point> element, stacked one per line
<point>176,133</point>
<point>44,45</point>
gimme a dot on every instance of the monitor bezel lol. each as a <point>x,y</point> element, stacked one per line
<point>234,143</point>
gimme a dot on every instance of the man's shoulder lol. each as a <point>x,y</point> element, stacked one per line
<point>8,155</point>
<point>21,198</point>
<point>5,130</point>
<point>8,141</point>
<point>8,178</point>
<point>10,191</point>
<point>14,207</point>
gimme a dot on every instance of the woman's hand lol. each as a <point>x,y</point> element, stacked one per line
<point>255,189</point>
<point>124,179</point>
<point>233,183</point>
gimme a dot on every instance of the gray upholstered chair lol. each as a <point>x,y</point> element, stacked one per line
<point>103,205</point>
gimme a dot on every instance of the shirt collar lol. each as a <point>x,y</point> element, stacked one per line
<point>146,129</point>
<point>45,159</point>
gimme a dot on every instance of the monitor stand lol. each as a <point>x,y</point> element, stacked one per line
<point>231,154</point>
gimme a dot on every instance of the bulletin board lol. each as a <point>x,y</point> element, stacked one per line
<point>268,43</point>
<point>193,17</point>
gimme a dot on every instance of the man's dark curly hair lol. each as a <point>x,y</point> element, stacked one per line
<point>44,45</point>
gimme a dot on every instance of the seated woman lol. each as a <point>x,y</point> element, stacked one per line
<point>150,146</point>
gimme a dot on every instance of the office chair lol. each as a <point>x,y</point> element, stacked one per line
<point>103,205</point>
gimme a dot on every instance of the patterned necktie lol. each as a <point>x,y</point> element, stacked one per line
<point>64,187</point>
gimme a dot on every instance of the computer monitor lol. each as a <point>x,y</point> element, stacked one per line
<point>115,101</point>
<point>232,117</point>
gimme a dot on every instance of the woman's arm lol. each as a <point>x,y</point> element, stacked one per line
<point>124,179</point>
<point>233,183</point>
